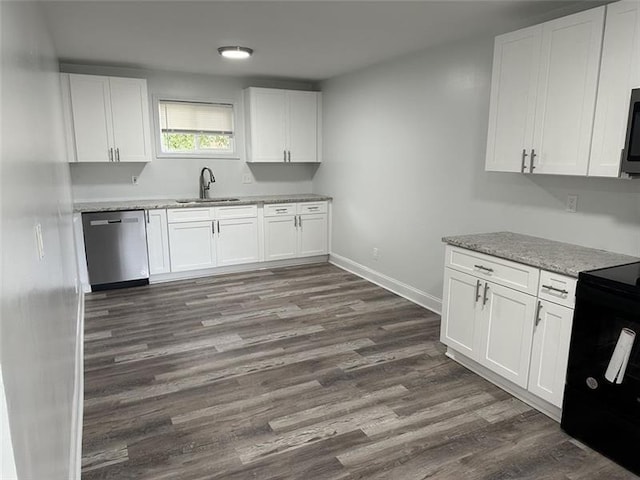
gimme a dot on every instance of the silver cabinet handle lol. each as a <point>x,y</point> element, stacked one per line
<point>111,154</point>
<point>478,290</point>
<point>284,155</point>
<point>482,267</point>
<point>213,227</point>
<point>484,295</point>
<point>538,319</point>
<point>533,157</point>
<point>524,160</point>
<point>295,221</point>
<point>289,156</point>
<point>218,227</point>
<point>300,221</point>
<point>118,154</point>
<point>281,210</point>
<point>312,208</point>
<point>554,289</point>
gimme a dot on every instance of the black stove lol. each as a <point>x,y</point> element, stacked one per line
<point>601,405</point>
<point>623,277</point>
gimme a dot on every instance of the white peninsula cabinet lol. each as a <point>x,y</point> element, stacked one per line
<point>543,95</point>
<point>282,125</point>
<point>107,118</point>
<point>510,323</point>
<point>293,230</point>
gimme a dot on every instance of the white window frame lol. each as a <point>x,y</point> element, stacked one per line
<point>233,155</point>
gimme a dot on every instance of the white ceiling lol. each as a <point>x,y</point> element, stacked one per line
<point>311,40</point>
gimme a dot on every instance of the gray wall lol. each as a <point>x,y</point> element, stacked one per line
<point>178,177</point>
<point>39,304</point>
<point>404,146</point>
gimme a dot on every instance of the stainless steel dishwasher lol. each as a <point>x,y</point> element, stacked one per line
<point>116,249</point>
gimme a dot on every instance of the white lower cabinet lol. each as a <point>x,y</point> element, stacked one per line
<point>237,241</point>
<point>550,351</point>
<point>312,234</point>
<point>519,334</point>
<point>488,323</point>
<point>280,237</point>
<point>158,242</point>
<point>506,331</point>
<point>295,230</point>
<point>192,246</point>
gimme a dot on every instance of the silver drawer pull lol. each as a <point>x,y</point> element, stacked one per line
<point>554,289</point>
<point>281,210</point>
<point>482,267</point>
<point>312,208</point>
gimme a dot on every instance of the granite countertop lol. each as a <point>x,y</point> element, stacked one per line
<point>558,257</point>
<point>112,206</point>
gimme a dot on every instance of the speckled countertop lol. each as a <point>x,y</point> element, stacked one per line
<point>558,257</point>
<point>112,206</point>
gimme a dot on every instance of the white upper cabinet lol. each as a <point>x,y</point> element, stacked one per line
<point>619,74</point>
<point>513,100</point>
<point>543,96</point>
<point>282,125</point>
<point>109,118</point>
<point>569,64</point>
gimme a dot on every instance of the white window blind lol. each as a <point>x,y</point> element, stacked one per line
<point>196,117</point>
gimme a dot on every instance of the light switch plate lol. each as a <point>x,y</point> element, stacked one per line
<point>572,203</point>
<point>39,241</point>
<point>134,179</point>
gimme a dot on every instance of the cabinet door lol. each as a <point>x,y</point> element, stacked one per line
<point>459,329</point>
<point>569,64</point>
<point>550,352</point>
<point>237,241</point>
<point>130,109</point>
<point>280,237</point>
<point>312,235</point>
<point>506,332</point>
<point>191,246</point>
<point>619,74</point>
<point>91,111</point>
<point>302,126</point>
<point>267,125</point>
<point>158,242</point>
<point>514,82</point>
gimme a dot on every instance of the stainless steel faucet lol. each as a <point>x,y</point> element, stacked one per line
<point>204,185</point>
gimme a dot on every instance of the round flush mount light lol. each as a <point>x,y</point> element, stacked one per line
<point>237,53</point>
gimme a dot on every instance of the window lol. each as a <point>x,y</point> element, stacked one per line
<point>196,128</point>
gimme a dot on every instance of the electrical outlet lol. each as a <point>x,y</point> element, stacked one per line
<point>375,253</point>
<point>246,178</point>
<point>134,179</point>
<point>572,203</point>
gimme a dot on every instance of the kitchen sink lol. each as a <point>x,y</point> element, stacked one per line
<point>208,200</point>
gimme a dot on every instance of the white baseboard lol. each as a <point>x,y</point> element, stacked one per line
<point>75,450</point>
<point>246,267</point>
<point>399,288</point>
<point>520,393</point>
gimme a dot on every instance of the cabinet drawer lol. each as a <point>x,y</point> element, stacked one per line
<point>503,272</point>
<point>239,211</point>
<point>177,215</point>
<point>279,209</point>
<point>557,288</point>
<point>312,207</point>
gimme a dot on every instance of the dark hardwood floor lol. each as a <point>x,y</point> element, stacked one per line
<point>298,373</point>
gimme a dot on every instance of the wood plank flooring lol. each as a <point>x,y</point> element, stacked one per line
<point>298,373</point>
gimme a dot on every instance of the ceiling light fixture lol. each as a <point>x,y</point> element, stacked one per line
<point>235,52</point>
